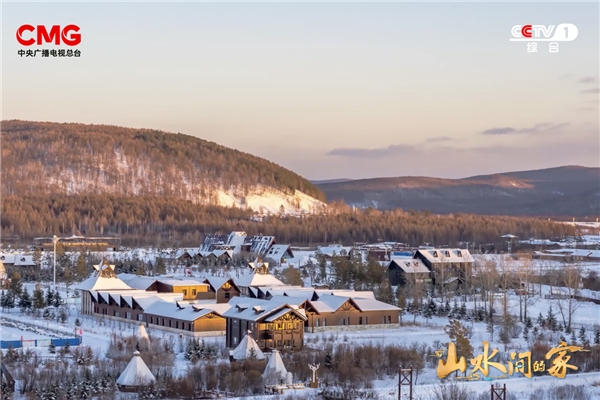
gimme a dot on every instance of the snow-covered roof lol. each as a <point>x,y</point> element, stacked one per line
<point>220,253</point>
<point>136,373</point>
<point>260,244</point>
<point>141,332</point>
<point>185,311</point>
<point>257,309</point>
<point>275,369</point>
<point>331,303</point>
<point>8,258</point>
<point>410,266</point>
<point>334,249</point>
<point>136,281</point>
<point>24,260</point>
<point>244,349</point>
<point>277,251</point>
<point>98,282</point>
<point>142,298</point>
<point>446,255</point>
<point>253,277</point>
<point>181,282</point>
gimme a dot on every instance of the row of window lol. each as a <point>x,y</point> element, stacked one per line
<point>188,326</point>
<point>346,321</point>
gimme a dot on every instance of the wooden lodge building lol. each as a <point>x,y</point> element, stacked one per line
<point>275,313</point>
<point>430,265</point>
<point>273,324</point>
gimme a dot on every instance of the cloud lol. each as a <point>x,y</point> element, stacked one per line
<point>499,131</point>
<point>587,79</point>
<point>591,91</point>
<point>439,139</point>
<point>394,150</point>
<point>537,128</point>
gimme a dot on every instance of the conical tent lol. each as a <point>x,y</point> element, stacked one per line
<point>244,349</point>
<point>136,373</point>
<point>141,333</point>
<point>275,371</point>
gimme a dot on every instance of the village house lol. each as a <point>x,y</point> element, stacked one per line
<point>280,253</point>
<point>256,275</point>
<point>273,324</point>
<point>237,242</point>
<point>190,289</point>
<point>198,318</point>
<point>224,289</point>
<point>331,310</point>
<point>447,266</point>
<point>403,271</point>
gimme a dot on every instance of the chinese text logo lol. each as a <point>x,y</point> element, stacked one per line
<point>29,35</point>
<point>41,35</point>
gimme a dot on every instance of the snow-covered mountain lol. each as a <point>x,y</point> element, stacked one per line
<point>71,159</point>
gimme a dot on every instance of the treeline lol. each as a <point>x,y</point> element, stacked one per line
<point>149,220</point>
<point>44,157</point>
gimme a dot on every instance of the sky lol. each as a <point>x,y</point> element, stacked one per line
<point>328,90</point>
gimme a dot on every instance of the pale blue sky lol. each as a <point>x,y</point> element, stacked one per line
<point>328,90</point>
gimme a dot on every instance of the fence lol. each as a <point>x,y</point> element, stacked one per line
<point>15,344</point>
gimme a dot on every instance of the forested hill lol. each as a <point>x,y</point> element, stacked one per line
<point>53,158</point>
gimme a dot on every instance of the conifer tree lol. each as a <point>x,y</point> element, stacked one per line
<point>16,285</point>
<point>597,336</point>
<point>551,322</point>
<point>528,323</point>
<point>459,335</point>
<point>57,300</point>
<point>573,338</point>
<point>582,336</point>
<point>49,297</point>
<point>541,321</point>
<point>81,267</point>
<point>38,298</point>
<point>25,302</point>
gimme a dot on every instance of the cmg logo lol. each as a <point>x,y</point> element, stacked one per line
<point>28,35</point>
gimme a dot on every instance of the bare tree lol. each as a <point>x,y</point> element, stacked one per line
<point>525,273</point>
<point>567,304</point>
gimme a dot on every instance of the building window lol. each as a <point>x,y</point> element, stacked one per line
<point>317,321</point>
<point>151,320</point>
<point>389,319</point>
<point>343,321</point>
<point>288,343</point>
<point>140,317</point>
<point>193,292</point>
<point>324,321</point>
<point>116,313</point>
<point>227,295</point>
<point>185,292</point>
<point>169,323</point>
<point>279,343</point>
<point>191,327</point>
<point>360,320</point>
<point>366,320</point>
<point>128,315</point>
<point>348,321</point>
